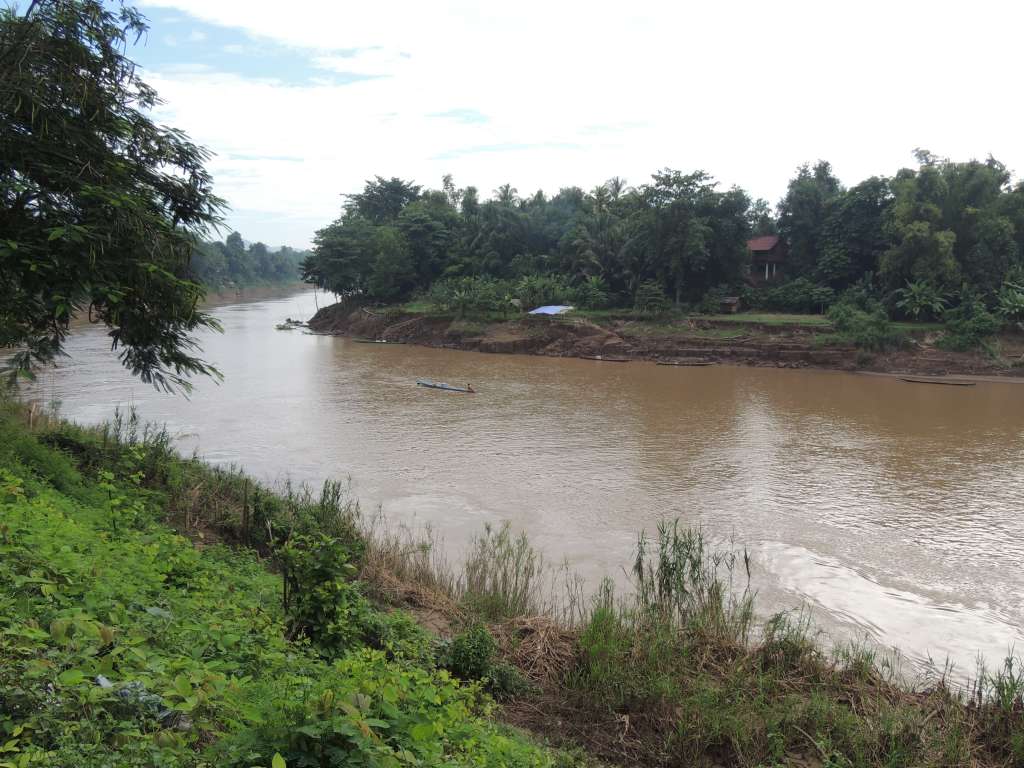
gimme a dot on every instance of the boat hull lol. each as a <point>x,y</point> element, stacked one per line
<point>442,386</point>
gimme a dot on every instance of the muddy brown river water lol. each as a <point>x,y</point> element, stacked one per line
<point>893,510</point>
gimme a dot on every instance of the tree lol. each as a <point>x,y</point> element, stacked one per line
<point>854,238</point>
<point>383,199</point>
<point>393,276</point>
<point>802,214</point>
<point>761,220</point>
<point>100,208</point>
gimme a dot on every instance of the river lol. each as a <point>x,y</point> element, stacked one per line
<point>892,509</point>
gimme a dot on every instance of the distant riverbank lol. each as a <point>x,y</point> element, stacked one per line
<point>779,341</point>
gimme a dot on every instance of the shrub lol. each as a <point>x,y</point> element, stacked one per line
<point>967,326</point>
<point>319,601</point>
<point>867,328</point>
<point>1011,303</point>
<point>592,294</point>
<point>650,297</point>
<point>712,301</point>
<point>471,654</point>
<point>399,636</point>
<point>920,300</point>
<point>800,295</point>
<point>539,290</point>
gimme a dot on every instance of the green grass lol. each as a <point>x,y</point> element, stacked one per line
<point>916,327</point>
<point>123,644</point>
<point>770,318</point>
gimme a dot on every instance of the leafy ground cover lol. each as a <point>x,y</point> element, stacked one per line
<point>124,643</point>
<point>258,638</point>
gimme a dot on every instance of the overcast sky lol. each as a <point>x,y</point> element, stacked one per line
<point>304,100</point>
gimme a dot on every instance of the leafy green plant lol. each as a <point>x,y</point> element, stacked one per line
<point>471,654</point>
<point>967,326</point>
<point>920,300</point>
<point>592,293</point>
<point>650,298</point>
<point>321,601</point>
<point>1011,303</point>
<point>867,328</point>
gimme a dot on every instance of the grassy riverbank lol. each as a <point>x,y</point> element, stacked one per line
<point>765,339</point>
<point>233,624</point>
<point>125,644</point>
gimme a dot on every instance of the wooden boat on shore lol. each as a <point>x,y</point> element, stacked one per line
<point>443,385</point>
<point>692,362</point>
<point>605,359</point>
<point>945,382</point>
<point>376,341</point>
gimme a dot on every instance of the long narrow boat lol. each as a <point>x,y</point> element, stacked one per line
<point>376,341</point>
<point>442,385</point>
<point>686,362</point>
<point>948,383</point>
<point>605,359</point>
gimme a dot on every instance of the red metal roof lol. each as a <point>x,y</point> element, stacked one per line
<point>764,243</point>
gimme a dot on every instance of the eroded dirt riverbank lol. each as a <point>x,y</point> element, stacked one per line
<point>690,341</point>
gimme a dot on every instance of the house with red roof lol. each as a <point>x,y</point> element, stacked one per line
<point>767,257</point>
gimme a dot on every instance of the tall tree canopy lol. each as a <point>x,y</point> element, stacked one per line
<point>100,207</point>
<point>678,231</point>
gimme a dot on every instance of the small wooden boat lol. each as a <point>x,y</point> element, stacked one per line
<point>442,385</point>
<point>605,359</point>
<point>686,362</point>
<point>376,341</point>
<point>946,382</point>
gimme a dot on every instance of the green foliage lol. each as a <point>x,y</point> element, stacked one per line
<point>803,212</point>
<point>593,293</point>
<point>1011,303</point>
<point>230,263</point>
<point>501,574</point>
<point>920,301</point>
<point>125,645</point>
<point>99,206</point>
<point>967,326</point>
<point>575,247</point>
<point>320,600</point>
<point>471,654</point>
<point>866,327</point>
<point>908,241</point>
<point>799,295</point>
<point>650,298</point>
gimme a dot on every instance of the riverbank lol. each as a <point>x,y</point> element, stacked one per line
<point>757,340</point>
<point>679,673</point>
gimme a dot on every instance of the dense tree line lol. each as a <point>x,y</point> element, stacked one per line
<point>926,239</point>
<point>234,263</point>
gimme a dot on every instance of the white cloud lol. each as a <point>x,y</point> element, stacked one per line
<point>580,91</point>
<point>196,36</point>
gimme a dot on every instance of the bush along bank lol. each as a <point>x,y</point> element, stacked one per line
<point>127,644</point>
<point>302,663</point>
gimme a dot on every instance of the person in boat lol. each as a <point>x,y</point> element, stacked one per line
<point>469,388</point>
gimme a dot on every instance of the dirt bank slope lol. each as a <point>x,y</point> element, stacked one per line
<point>683,341</point>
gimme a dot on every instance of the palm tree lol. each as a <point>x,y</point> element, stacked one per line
<point>506,195</point>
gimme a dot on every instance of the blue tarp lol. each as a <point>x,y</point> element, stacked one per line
<point>554,309</point>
